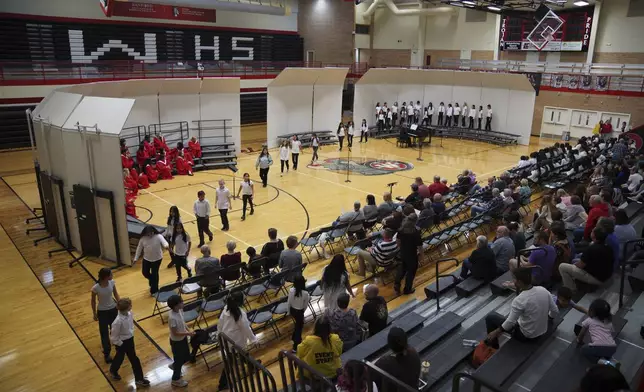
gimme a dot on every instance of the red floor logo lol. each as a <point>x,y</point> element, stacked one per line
<point>365,166</point>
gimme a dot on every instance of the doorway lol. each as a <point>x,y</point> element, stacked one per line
<point>310,56</point>
<point>428,60</point>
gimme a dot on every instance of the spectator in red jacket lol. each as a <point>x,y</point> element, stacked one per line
<point>423,190</point>
<point>597,209</point>
<point>438,187</point>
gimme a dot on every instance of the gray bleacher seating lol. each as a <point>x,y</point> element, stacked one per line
<point>445,283</point>
<point>468,286</point>
<point>325,137</point>
<point>497,284</point>
<point>435,331</point>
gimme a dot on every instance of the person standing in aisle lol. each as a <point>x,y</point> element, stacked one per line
<point>457,113</point>
<point>223,202</point>
<point>351,131</point>
<point>410,113</point>
<point>105,314</point>
<point>283,157</point>
<point>441,114</point>
<point>342,130</point>
<point>472,116</point>
<point>480,116</point>
<point>296,144</point>
<point>122,336</point>
<point>449,114</point>
<point>466,112</point>
<point>364,131</point>
<point>298,300</point>
<point>247,190</point>
<point>151,246</point>
<point>179,333</point>
<point>315,144</point>
<point>394,114</point>
<point>430,114</point>
<point>180,250</point>
<point>488,118</point>
<point>264,162</point>
<point>201,209</point>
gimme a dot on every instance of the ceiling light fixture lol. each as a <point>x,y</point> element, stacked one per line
<point>581,3</point>
<point>468,2</point>
<point>493,8</point>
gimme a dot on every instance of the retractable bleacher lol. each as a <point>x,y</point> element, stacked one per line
<point>217,145</point>
<point>324,137</point>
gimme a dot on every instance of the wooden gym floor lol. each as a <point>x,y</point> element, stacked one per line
<point>49,340</point>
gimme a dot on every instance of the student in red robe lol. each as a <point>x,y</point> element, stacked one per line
<point>174,152</point>
<point>165,170</point>
<point>160,144</point>
<point>143,181</point>
<point>130,184</point>
<point>149,147</point>
<point>130,209</point>
<point>187,155</point>
<point>183,166</point>
<point>126,160</point>
<point>195,147</point>
<point>141,156</point>
<point>151,172</point>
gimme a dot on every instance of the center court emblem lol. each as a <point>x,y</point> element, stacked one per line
<point>366,166</point>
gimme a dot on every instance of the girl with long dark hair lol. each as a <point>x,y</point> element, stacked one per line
<point>180,249</point>
<point>411,245</point>
<point>322,344</point>
<point>151,246</point>
<point>173,218</point>
<point>298,300</point>
<point>335,281</point>
<point>105,311</point>
<point>353,378</point>
<point>364,131</point>
<point>264,162</point>
<point>341,132</point>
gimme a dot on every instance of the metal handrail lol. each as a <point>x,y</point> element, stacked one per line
<point>399,386</point>
<point>244,373</point>
<point>639,243</point>
<point>306,382</point>
<point>456,383</point>
<point>438,276</point>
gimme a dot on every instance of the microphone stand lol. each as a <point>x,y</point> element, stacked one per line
<point>391,187</point>
<point>420,147</point>
<point>348,162</point>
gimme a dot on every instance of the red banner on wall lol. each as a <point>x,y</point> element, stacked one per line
<point>162,11</point>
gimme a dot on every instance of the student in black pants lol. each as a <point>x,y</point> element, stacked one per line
<point>296,145</point>
<point>488,119</point>
<point>151,246</point>
<point>247,189</point>
<point>105,291</point>
<point>122,336</point>
<point>298,299</point>
<point>179,333</point>
<point>201,209</point>
<point>180,245</point>
<point>480,116</point>
<point>264,162</point>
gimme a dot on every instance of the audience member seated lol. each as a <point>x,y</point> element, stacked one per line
<point>603,378</point>
<point>164,168</point>
<point>518,238</point>
<point>595,265</point>
<point>229,259</point>
<point>253,269</point>
<point>374,311</point>
<point>423,190</point>
<point>563,248</point>
<point>393,222</point>
<point>141,179</point>
<point>496,202</point>
<point>370,211</point>
<point>624,232</point>
<point>208,267</point>
<point>272,250</point>
<point>543,258</point>
<point>414,197</point>
<point>344,322</point>
<point>382,253</point>
<point>481,264</point>
<point>403,364</point>
<point>575,215</point>
<point>426,216</point>
<point>508,199</point>
<point>543,217</point>
<point>290,258</point>
<point>183,166</point>
<point>438,187</point>
<point>600,328</point>
<point>195,147</point>
<point>503,249</point>
<point>528,318</point>
<point>151,172</point>
<point>598,209</point>
<point>608,224</point>
<point>387,206</point>
<point>501,182</point>
<point>438,205</point>
<point>356,220</point>
<point>322,349</point>
<point>524,192</point>
<point>464,182</point>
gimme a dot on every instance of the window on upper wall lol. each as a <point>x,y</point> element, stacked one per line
<point>362,29</point>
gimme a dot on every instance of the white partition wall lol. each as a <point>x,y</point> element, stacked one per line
<point>219,99</point>
<point>510,95</point>
<point>179,100</point>
<point>304,100</point>
<point>579,122</point>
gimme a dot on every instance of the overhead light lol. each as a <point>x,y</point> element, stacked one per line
<point>581,3</point>
<point>493,8</point>
<point>468,2</point>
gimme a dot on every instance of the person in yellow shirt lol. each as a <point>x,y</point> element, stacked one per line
<point>322,350</point>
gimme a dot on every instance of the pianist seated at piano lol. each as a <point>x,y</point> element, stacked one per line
<point>404,137</point>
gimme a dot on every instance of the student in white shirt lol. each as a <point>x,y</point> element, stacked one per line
<point>488,118</point>
<point>247,189</point>
<point>341,132</point>
<point>201,209</point>
<point>425,116</point>
<point>389,121</point>
<point>457,113</point>
<point>480,116</point>
<point>234,323</point>
<point>122,336</point>
<point>173,218</point>
<point>223,200</point>
<point>430,113</point>
<point>528,318</point>
<point>105,313</point>
<point>179,333</point>
<point>466,112</point>
<point>284,149</point>
<point>394,111</point>
<point>410,113</point>
<point>151,246</point>
<point>472,116</point>
<point>441,113</point>
<point>180,250</point>
<point>296,145</point>
<point>449,114</point>
<point>403,113</point>
<point>298,300</point>
<point>418,111</point>
<point>364,131</point>
<point>378,110</point>
<point>351,132</point>
<point>315,145</point>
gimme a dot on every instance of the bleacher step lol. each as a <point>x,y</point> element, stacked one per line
<point>435,331</point>
<point>445,283</point>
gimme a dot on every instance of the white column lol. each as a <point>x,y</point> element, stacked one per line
<point>593,33</point>
<point>497,36</point>
<point>419,59</point>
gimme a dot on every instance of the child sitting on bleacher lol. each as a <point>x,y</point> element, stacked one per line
<point>599,325</point>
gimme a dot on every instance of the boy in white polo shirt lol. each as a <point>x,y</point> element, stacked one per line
<point>179,333</point>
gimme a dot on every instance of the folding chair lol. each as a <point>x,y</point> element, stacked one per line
<point>257,289</point>
<point>213,303</point>
<point>337,233</point>
<point>310,244</point>
<point>352,251</point>
<point>232,274</point>
<point>263,317</point>
<point>211,343</point>
<point>191,285</point>
<point>255,269</point>
<point>281,308</point>
<point>162,296</point>
<point>277,282</point>
<point>192,311</point>
<point>315,294</point>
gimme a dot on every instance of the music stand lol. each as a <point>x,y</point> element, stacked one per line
<point>391,187</point>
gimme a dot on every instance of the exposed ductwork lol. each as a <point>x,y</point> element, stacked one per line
<point>410,11</point>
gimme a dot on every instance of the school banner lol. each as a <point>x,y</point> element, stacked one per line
<point>162,11</point>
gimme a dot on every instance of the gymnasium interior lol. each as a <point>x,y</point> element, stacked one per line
<point>457,122</point>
